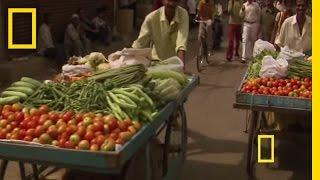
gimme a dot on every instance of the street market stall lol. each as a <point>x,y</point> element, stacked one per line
<point>96,116</point>
<point>278,83</point>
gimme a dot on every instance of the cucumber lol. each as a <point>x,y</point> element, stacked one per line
<point>22,96</point>
<point>26,90</point>
<point>23,84</point>
<point>9,100</point>
<point>31,81</point>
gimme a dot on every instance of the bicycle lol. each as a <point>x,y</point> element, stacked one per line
<point>203,50</point>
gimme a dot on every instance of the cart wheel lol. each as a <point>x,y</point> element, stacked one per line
<point>252,143</point>
<point>3,167</point>
<point>175,138</point>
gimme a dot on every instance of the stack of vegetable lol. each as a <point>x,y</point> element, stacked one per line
<point>19,91</point>
<point>300,68</point>
<point>91,96</point>
<point>165,85</point>
<point>121,76</point>
<point>255,64</point>
<point>90,131</point>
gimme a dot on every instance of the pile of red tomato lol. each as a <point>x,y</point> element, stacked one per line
<point>295,87</point>
<point>87,131</point>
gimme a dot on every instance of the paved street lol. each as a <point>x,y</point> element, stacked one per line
<point>217,144</point>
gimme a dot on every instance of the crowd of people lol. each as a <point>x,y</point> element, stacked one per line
<point>269,20</point>
<point>80,32</point>
<point>276,21</point>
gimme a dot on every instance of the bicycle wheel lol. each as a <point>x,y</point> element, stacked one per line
<point>201,57</point>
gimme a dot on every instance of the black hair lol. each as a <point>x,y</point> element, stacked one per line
<point>101,9</point>
<point>45,17</point>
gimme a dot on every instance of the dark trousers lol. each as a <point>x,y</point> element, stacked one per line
<point>234,35</point>
<point>57,53</point>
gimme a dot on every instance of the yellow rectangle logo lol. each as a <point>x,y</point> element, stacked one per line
<point>33,12</point>
<point>271,160</point>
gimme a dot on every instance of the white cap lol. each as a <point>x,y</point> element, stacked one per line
<point>74,16</point>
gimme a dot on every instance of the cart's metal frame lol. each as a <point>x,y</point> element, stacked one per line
<point>101,162</point>
<point>258,104</point>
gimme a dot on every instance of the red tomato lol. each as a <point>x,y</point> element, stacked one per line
<point>62,128</point>
<point>53,131</point>
<point>43,118</point>
<point>62,142</point>
<point>34,112</point>
<point>127,122</point>
<point>22,134</point>
<point>89,135</point>
<point>15,136</point>
<point>69,145</point>
<point>11,117</point>
<point>119,141</point>
<point>81,131</point>
<point>98,133</point>
<point>307,79</point>
<point>98,126</point>
<point>66,118</point>
<point>14,124</point>
<point>3,133</point>
<point>114,136</point>
<point>8,136</point>
<point>54,116</point>
<point>43,109</point>
<point>28,138</point>
<point>30,132</point>
<point>6,114</point>
<point>23,125</point>
<point>112,124</point>
<point>266,92</point>
<point>116,131</point>
<point>98,119</point>
<point>90,127</point>
<point>94,147</point>
<point>295,87</point>
<point>9,127</point>
<point>79,117</point>
<point>100,139</point>
<point>19,116</point>
<point>71,129</point>
<point>93,141</point>
<point>35,119</point>
<point>31,124</point>
<point>293,81</point>
<point>7,107</point>
<point>39,130</point>
<point>122,126</point>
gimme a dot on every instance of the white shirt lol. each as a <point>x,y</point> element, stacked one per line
<point>252,12</point>
<point>192,5</point>
<point>44,39</point>
<point>98,22</point>
<point>290,35</point>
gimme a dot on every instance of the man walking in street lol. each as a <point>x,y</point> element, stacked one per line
<point>281,17</point>
<point>206,10</point>
<point>234,28</point>
<point>166,29</point>
<point>268,15</point>
<point>251,13</point>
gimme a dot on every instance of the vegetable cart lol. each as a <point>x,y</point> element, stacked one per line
<point>172,117</point>
<point>257,104</point>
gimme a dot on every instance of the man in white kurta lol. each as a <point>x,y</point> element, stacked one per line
<point>251,14</point>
